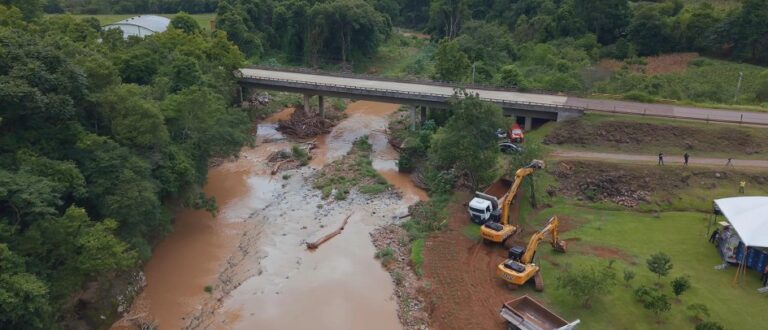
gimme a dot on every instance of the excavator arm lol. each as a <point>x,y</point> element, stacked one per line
<point>533,244</point>
<point>519,176</point>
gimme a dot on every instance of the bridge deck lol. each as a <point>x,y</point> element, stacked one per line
<point>404,87</point>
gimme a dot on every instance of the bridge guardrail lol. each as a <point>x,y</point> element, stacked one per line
<point>442,97</point>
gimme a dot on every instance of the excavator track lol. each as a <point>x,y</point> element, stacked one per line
<point>539,281</point>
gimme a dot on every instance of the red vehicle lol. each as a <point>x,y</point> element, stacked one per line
<point>515,134</point>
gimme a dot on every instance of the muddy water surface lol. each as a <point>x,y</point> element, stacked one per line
<point>267,220</point>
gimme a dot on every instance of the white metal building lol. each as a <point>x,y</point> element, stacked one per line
<point>140,26</point>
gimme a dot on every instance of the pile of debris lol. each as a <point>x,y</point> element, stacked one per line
<point>618,186</point>
<point>304,125</point>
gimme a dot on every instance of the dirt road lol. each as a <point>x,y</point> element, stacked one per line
<point>653,159</point>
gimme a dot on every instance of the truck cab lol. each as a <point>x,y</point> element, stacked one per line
<point>483,210</point>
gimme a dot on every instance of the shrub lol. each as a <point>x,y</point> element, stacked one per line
<point>300,154</point>
<point>698,311</point>
<point>628,275</point>
<point>208,289</point>
<point>385,255</point>
<point>680,285</point>
<point>709,325</point>
<point>639,96</point>
<point>373,189</point>
<point>417,256</point>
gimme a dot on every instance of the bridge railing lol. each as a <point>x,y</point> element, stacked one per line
<point>439,97</point>
<point>409,79</point>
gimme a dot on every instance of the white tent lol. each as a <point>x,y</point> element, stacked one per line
<point>748,216</point>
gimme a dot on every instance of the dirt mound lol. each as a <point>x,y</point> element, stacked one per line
<point>303,125</point>
<point>653,65</point>
<point>623,135</point>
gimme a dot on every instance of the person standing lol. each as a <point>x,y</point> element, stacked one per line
<point>713,238</point>
<point>661,158</point>
<point>729,162</point>
<point>685,158</point>
<point>742,185</point>
<point>764,278</point>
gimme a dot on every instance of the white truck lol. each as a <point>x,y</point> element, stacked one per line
<point>486,205</point>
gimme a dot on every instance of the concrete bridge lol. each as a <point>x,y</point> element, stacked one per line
<point>526,107</point>
<point>423,95</point>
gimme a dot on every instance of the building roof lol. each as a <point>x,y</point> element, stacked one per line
<point>150,22</point>
<point>749,216</point>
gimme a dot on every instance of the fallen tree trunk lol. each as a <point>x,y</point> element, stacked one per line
<point>316,244</point>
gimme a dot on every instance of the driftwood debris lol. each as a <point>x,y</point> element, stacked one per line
<point>303,125</point>
<point>316,244</point>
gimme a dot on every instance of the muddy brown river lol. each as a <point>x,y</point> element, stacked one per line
<point>253,256</point>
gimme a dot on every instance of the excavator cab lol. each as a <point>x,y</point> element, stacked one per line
<point>520,267</point>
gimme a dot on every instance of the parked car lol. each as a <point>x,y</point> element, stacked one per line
<point>510,148</point>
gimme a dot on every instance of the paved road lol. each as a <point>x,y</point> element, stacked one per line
<point>649,109</point>
<point>653,159</point>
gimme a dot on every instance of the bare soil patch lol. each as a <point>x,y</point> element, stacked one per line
<point>627,136</point>
<point>631,185</point>
<point>465,292</point>
<point>654,65</point>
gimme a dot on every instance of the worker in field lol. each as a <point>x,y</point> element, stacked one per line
<point>661,158</point>
<point>729,162</point>
<point>742,185</point>
<point>764,278</point>
<point>685,158</point>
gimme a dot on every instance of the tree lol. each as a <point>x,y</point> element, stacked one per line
<point>31,9</point>
<point>659,264</point>
<point>467,143</point>
<point>510,76</point>
<point>446,17</point>
<point>586,283</point>
<point>709,325</point>
<point>451,64</point>
<point>607,19</point>
<point>649,31</point>
<point>749,31</point>
<point>184,22</point>
<point>680,284</point>
<point>23,296</point>
<point>350,26</point>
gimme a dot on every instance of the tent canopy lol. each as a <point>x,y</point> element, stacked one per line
<point>748,216</point>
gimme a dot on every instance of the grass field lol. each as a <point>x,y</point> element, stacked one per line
<point>202,19</point>
<point>635,236</point>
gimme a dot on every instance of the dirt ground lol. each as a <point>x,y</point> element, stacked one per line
<point>631,185</point>
<point>465,292</point>
<point>628,136</point>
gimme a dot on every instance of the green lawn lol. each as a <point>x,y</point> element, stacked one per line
<point>202,19</point>
<point>682,235</point>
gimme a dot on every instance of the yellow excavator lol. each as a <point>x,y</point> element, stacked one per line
<point>519,268</point>
<point>502,230</point>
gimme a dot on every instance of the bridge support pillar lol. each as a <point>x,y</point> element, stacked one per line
<point>306,103</point>
<point>528,123</point>
<point>412,112</point>
<point>423,116</point>
<point>321,105</point>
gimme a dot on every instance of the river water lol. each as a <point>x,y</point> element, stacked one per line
<point>265,220</point>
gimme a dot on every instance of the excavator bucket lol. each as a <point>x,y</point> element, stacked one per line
<point>539,164</point>
<point>560,246</point>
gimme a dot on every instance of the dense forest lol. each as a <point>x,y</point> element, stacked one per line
<point>96,133</point>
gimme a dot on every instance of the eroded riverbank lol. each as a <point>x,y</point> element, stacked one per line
<point>253,255</point>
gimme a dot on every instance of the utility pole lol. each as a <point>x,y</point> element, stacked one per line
<point>738,86</point>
